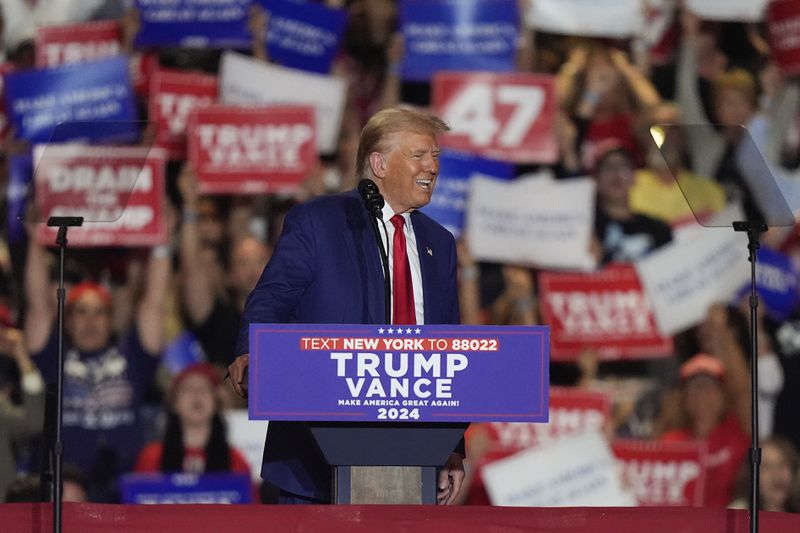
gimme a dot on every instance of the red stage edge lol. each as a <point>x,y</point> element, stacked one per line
<point>97,518</point>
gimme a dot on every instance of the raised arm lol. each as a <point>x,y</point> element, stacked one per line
<point>197,290</point>
<point>390,94</point>
<point>737,375</point>
<point>282,284</point>
<point>151,311</point>
<point>40,302</point>
<point>643,89</point>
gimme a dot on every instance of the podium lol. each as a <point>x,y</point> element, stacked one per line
<point>386,463</point>
<point>387,406</point>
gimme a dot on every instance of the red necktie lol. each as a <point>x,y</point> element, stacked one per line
<point>403,301</point>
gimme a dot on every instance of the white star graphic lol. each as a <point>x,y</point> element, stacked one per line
<point>417,331</point>
<point>390,330</point>
<point>408,330</point>
<point>381,330</point>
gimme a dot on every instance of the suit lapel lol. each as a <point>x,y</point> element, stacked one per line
<point>426,265</point>
<point>362,248</point>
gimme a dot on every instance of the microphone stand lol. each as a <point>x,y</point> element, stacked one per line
<point>62,223</point>
<point>753,229</point>
<point>387,287</point>
<point>374,202</point>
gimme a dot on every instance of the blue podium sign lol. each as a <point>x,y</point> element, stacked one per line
<point>369,373</point>
<point>185,488</point>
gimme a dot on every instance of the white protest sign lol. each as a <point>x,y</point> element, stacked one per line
<point>248,81</point>
<point>598,18</point>
<point>739,10</point>
<point>684,278</point>
<point>533,222</point>
<point>579,471</point>
<point>247,436</point>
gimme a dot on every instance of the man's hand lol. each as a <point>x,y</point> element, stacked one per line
<point>237,372</point>
<point>451,478</point>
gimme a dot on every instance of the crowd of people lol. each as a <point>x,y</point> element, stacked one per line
<point>127,410</point>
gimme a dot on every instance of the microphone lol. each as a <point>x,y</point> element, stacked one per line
<point>374,201</point>
<point>372,197</point>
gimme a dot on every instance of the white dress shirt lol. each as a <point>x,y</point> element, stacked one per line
<point>413,259</point>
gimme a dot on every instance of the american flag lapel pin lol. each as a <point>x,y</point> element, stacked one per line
<point>430,252</point>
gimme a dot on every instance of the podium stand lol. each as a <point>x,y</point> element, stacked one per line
<point>386,463</point>
<point>387,419</point>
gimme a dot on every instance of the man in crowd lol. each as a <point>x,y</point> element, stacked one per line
<point>105,376</point>
<point>326,268</point>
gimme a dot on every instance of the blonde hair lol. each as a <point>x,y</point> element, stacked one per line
<point>388,121</point>
<point>741,81</point>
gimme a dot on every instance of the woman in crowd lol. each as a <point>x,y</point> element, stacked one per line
<point>194,439</point>
<point>601,92</point>
<point>778,481</point>
<point>715,406</point>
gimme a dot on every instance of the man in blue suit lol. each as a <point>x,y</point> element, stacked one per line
<point>326,268</point>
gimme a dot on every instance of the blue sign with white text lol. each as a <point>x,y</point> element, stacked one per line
<point>425,373</point>
<point>305,36</point>
<point>185,488</point>
<point>449,200</point>
<point>777,283</point>
<point>466,35</point>
<point>20,176</point>
<point>193,24</point>
<point>38,101</point>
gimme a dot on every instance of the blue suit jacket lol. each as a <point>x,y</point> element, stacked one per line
<point>326,269</point>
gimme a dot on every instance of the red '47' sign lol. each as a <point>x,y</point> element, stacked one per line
<point>606,311</point>
<point>173,97</point>
<point>119,190</point>
<point>500,116</point>
<point>77,43</point>
<point>251,150</point>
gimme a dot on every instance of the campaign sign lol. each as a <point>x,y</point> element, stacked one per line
<point>185,488</point>
<point>777,283</point>
<point>728,10</point>
<point>510,117</point>
<point>251,150</point>
<point>173,96</point>
<point>543,222</point>
<point>305,37</point>
<point>783,25</point>
<point>465,35</point>
<point>77,43</point>
<point>607,311</point>
<point>663,473</point>
<point>118,190</point>
<point>572,411</point>
<point>367,373</point>
<point>246,81</point>
<point>587,18</point>
<point>20,175</point>
<point>578,471</point>
<point>91,92</point>
<point>684,278</point>
<point>193,23</point>
<point>449,200</point>
<point>247,436</point>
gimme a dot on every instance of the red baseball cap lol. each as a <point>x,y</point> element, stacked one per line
<point>206,370</point>
<point>84,287</point>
